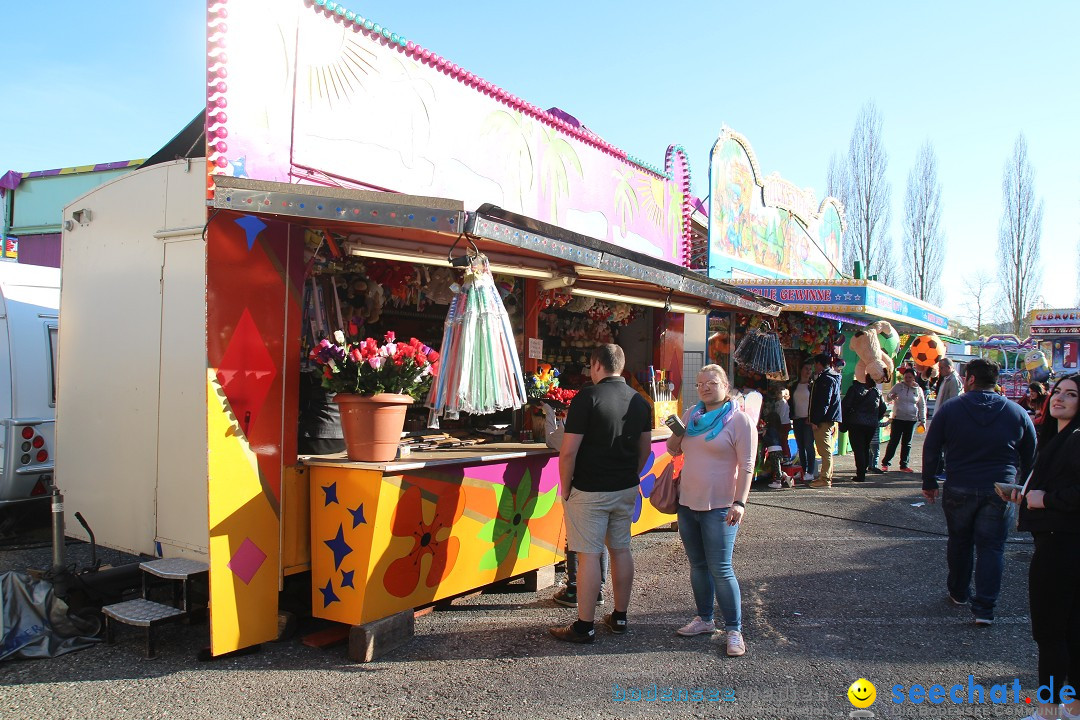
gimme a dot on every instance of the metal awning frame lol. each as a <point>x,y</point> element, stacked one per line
<point>434,223</point>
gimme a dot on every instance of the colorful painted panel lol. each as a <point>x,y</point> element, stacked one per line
<point>253,266</point>
<point>377,111</point>
<point>386,543</point>
<point>747,234</point>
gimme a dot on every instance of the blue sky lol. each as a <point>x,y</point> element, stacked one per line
<point>99,82</point>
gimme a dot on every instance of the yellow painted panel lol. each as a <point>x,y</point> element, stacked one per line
<point>243,536</point>
<point>296,520</point>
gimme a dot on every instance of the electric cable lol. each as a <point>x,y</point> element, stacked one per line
<point>870,522</point>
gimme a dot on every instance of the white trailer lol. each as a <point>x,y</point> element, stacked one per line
<point>29,322</point>
<point>131,450</point>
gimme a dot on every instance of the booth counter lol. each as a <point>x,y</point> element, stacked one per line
<point>387,537</point>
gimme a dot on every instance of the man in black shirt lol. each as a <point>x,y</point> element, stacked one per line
<point>606,444</point>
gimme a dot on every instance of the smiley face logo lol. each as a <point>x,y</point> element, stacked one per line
<point>862,693</point>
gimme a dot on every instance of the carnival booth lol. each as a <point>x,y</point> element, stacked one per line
<point>1057,332</point>
<point>770,237</point>
<point>219,281</point>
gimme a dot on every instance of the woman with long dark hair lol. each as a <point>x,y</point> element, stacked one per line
<point>1050,511</point>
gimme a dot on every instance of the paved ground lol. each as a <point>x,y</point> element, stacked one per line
<point>837,584</point>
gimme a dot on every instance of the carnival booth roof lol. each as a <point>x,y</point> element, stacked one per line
<point>856,301</point>
<point>430,230</point>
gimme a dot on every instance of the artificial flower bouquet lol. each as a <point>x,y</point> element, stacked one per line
<point>544,385</point>
<point>364,367</point>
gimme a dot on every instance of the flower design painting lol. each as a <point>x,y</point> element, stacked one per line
<point>509,529</point>
<point>429,539</point>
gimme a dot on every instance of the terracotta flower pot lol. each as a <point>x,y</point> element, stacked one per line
<point>372,424</point>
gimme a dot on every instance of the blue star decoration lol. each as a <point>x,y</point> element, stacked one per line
<point>347,579</point>
<point>252,227</point>
<point>357,515</point>
<point>338,546</point>
<point>328,594</point>
<point>331,494</point>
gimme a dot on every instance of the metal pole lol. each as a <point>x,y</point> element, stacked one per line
<point>57,529</point>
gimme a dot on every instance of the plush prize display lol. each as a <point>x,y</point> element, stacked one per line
<point>1037,366</point>
<point>925,353</point>
<point>867,344</point>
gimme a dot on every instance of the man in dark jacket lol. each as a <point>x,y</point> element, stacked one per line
<point>824,416</point>
<point>986,439</point>
<point>862,408</point>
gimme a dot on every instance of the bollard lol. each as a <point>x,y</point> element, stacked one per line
<point>57,529</point>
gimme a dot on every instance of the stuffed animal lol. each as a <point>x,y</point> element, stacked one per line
<point>1037,366</point>
<point>925,353</point>
<point>873,361</point>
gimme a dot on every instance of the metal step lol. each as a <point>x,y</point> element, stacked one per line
<point>174,568</point>
<point>140,613</point>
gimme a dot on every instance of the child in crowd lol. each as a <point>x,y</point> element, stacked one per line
<point>772,443</point>
<point>783,409</point>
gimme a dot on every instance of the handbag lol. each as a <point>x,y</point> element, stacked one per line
<point>665,492</point>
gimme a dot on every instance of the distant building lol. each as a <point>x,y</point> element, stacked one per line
<point>33,205</point>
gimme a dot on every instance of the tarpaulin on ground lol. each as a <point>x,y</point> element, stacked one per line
<point>34,623</point>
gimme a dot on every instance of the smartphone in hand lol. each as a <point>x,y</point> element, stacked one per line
<point>675,424</point>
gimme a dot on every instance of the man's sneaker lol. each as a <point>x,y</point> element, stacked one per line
<point>807,477</point>
<point>906,469</point>
<point>697,626</point>
<point>874,469</point>
<point>567,633</point>
<point>776,485</point>
<point>821,483</point>
<point>984,622</point>
<point>565,597</point>
<point>858,479</point>
<point>616,626</point>
<point>736,646</point>
<point>568,598</point>
<point>954,601</point>
<point>884,467</point>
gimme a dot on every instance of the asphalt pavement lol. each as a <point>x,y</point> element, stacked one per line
<point>837,584</point>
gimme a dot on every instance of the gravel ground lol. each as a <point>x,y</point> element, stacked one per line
<point>837,584</point>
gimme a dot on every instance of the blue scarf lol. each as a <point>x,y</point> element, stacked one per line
<point>712,422</point>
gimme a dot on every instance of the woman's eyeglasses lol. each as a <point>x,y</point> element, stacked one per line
<point>711,384</point>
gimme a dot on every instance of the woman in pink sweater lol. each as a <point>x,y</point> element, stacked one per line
<point>719,446</point>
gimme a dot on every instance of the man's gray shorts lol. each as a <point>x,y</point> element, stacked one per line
<point>592,517</point>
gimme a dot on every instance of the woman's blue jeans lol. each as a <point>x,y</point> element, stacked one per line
<point>709,540</point>
<point>804,438</point>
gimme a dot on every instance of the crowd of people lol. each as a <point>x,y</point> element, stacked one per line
<point>997,459</point>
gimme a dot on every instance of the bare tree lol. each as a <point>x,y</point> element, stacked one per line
<point>979,304</point>
<point>837,183</point>
<point>1019,237</point>
<point>924,248</point>
<point>868,197</point>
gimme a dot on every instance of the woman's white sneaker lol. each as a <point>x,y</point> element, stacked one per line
<point>697,626</point>
<point>735,644</point>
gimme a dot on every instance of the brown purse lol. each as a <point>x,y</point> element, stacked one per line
<point>665,492</point>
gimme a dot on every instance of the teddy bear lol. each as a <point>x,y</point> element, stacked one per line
<point>873,361</point>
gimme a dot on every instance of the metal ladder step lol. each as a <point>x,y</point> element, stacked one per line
<point>183,575</point>
<point>174,568</point>
<point>140,613</point>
